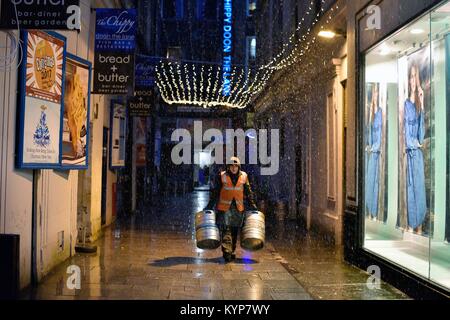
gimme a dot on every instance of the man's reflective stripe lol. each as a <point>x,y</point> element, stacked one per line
<point>233,188</point>
<point>229,202</point>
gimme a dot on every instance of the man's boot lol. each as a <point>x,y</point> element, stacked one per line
<point>227,256</point>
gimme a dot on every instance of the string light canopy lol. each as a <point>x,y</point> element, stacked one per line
<point>200,84</point>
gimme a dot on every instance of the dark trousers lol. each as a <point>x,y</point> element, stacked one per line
<point>229,238</point>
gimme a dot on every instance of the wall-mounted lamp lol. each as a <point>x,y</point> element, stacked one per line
<point>332,33</point>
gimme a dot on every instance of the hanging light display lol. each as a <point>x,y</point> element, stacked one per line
<point>202,84</point>
<point>192,84</point>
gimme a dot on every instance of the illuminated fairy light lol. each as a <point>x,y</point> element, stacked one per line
<point>188,82</point>
<point>298,50</point>
<point>172,79</point>
<point>163,87</point>
<point>169,83</point>
<point>291,39</point>
<point>260,86</point>
<point>231,85</point>
<point>180,82</point>
<point>208,88</point>
<point>195,82</point>
<point>241,88</point>
<point>216,83</point>
<point>236,87</point>
<point>280,62</point>
<point>295,56</point>
<point>201,84</point>
<point>199,87</point>
<point>177,79</point>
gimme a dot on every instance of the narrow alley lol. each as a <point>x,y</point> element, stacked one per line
<point>218,150</point>
<point>154,256</point>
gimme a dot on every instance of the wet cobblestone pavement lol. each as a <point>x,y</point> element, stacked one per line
<point>154,256</point>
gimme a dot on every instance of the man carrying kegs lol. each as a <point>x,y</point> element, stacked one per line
<point>230,190</point>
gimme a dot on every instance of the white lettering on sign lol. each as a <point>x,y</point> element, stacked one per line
<point>227,47</point>
<point>122,23</point>
<point>38,2</point>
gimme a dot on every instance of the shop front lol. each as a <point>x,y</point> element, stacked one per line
<point>403,131</point>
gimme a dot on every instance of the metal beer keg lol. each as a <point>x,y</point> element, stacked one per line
<point>253,233</point>
<point>206,231</point>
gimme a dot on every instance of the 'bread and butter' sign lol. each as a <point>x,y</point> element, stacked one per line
<point>115,44</point>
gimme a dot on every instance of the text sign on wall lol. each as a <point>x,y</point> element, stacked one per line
<point>115,30</point>
<point>114,73</point>
<point>145,74</point>
<point>227,47</point>
<point>115,42</point>
<point>140,106</point>
<point>40,14</point>
<point>41,91</point>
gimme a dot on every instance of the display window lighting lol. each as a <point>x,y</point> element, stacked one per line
<point>417,31</point>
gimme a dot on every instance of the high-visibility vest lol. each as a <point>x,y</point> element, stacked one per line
<point>230,192</point>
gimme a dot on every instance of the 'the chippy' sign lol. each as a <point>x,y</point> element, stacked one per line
<point>115,42</point>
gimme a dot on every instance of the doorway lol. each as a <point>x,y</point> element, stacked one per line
<point>202,170</point>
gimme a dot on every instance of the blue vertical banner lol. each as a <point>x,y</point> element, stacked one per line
<point>142,103</point>
<point>227,47</point>
<point>145,73</point>
<point>115,44</point>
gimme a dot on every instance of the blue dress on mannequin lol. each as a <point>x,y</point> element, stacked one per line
<point>414,125</point>
<point>373,163</point>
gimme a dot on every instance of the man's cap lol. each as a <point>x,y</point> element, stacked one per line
<point>234,160</point>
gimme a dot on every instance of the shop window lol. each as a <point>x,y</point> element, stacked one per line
<point>251,50</point>
<point>251,7</point>
<point>406,147</point>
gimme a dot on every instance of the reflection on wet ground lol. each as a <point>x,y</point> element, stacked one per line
<point>154,256</point>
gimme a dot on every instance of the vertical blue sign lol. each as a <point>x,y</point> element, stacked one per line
<point>115,30</point>
<point>145,72</point>
<point>227,47</point>
<point>115,44</point>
